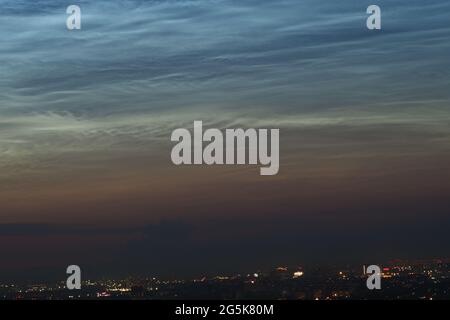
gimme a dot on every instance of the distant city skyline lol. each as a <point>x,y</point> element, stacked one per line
<point>418,280</point>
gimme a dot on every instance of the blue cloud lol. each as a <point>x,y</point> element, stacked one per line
<point>286,63</point>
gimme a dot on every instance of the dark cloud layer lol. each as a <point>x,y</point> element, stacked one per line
<point>172,248</point>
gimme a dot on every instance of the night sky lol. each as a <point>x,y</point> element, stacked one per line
<point>86,117</point>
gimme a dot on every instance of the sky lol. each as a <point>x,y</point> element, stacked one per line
<point>86,117</point>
